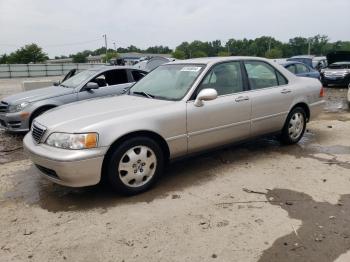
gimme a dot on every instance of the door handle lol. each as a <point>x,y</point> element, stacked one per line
<point>241,98</point>
<point>286,91</point>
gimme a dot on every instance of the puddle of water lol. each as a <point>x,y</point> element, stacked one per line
<point>323,236</point>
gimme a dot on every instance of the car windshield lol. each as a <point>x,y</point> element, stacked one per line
<point>170,82</point>
<point>78,79</point>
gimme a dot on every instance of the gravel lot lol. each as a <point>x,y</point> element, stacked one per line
<point>259,201</point>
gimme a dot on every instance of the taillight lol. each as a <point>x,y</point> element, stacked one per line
<point>322,92</point>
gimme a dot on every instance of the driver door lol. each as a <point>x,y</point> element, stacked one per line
<point>112,82</point>
<point>225,119</point>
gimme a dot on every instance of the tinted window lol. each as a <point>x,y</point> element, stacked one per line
<point>224,78</point>
<point>137,75</point>
<point>260,75</point>
<point>301,68</point>
<point>116,77</point>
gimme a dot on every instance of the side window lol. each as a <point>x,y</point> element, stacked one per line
<point>137,75</point>
<point>260,75</point>
<point>292,69</point>
<point>301,69</point>
<point>281,79</point>
<point>100,80</point>
<point>225,78</point>
<point>116,77</point>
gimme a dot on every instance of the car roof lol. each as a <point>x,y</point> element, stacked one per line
<point>214,60</point>
<point>303,56</point>
<point>111,67</point>
<point>293,63</point>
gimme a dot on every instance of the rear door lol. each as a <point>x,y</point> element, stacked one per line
<point>302,70</point>
<point>225,119</point>
<point>271,97</point>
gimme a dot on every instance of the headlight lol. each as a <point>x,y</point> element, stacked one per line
<point>73,141</point>
<point>18,108</point>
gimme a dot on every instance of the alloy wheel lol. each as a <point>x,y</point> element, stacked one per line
<point>296,125</point>
<point>137,166</point>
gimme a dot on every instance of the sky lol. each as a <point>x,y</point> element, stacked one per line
<point>62,27</point>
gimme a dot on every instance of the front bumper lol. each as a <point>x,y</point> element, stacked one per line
<point>340,81</point>
<point>74,168</point>
<point>15,122</point>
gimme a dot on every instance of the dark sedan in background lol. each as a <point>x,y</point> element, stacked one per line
<point>336,74</point>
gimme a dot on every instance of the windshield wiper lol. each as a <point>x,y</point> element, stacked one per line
<point>64,85</point>
<point>143,94</point>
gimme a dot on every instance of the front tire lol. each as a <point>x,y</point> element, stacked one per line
<point>135,165</point>
<point>36,114</point>
<point>295,126</point>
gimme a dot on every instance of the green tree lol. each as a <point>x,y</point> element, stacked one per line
<point>199,53</point>
<point>31,53</point>
<point>158,50</point>
<point>274,53</point>
<point>110,55</point>
<point>4,59</point>
<point>79,58</point>
<point>298,46</point>
<point>223,53</point>
<point>179,54</point>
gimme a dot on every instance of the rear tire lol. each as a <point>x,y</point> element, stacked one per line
<point>134,166</point>
<point>295,126</point>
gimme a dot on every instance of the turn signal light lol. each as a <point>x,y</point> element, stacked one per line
<point>322,92</point>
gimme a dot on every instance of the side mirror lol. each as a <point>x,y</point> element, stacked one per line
<point>91,85</point>
<point>206,94</point>
<point>57,83</point>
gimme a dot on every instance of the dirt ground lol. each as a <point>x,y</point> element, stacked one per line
<point>259,201</point>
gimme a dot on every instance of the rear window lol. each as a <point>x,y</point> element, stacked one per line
<point>262,75</point>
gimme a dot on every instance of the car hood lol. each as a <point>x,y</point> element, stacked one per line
<point>89,114</point>
<point>38,94</point>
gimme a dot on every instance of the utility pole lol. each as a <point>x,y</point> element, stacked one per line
<point>309,49</point>
<point>105,37</point>
<point>115,47</point>
<point>269,44</point>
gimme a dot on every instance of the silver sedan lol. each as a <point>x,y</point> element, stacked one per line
<point>18,111</point>
<point>180,108</point>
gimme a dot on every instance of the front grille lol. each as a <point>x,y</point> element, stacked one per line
<point>14,124</point>
<point>3,106</point>
<point>335,74</point>
<point>37,133</point>
<point>47,171</point>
